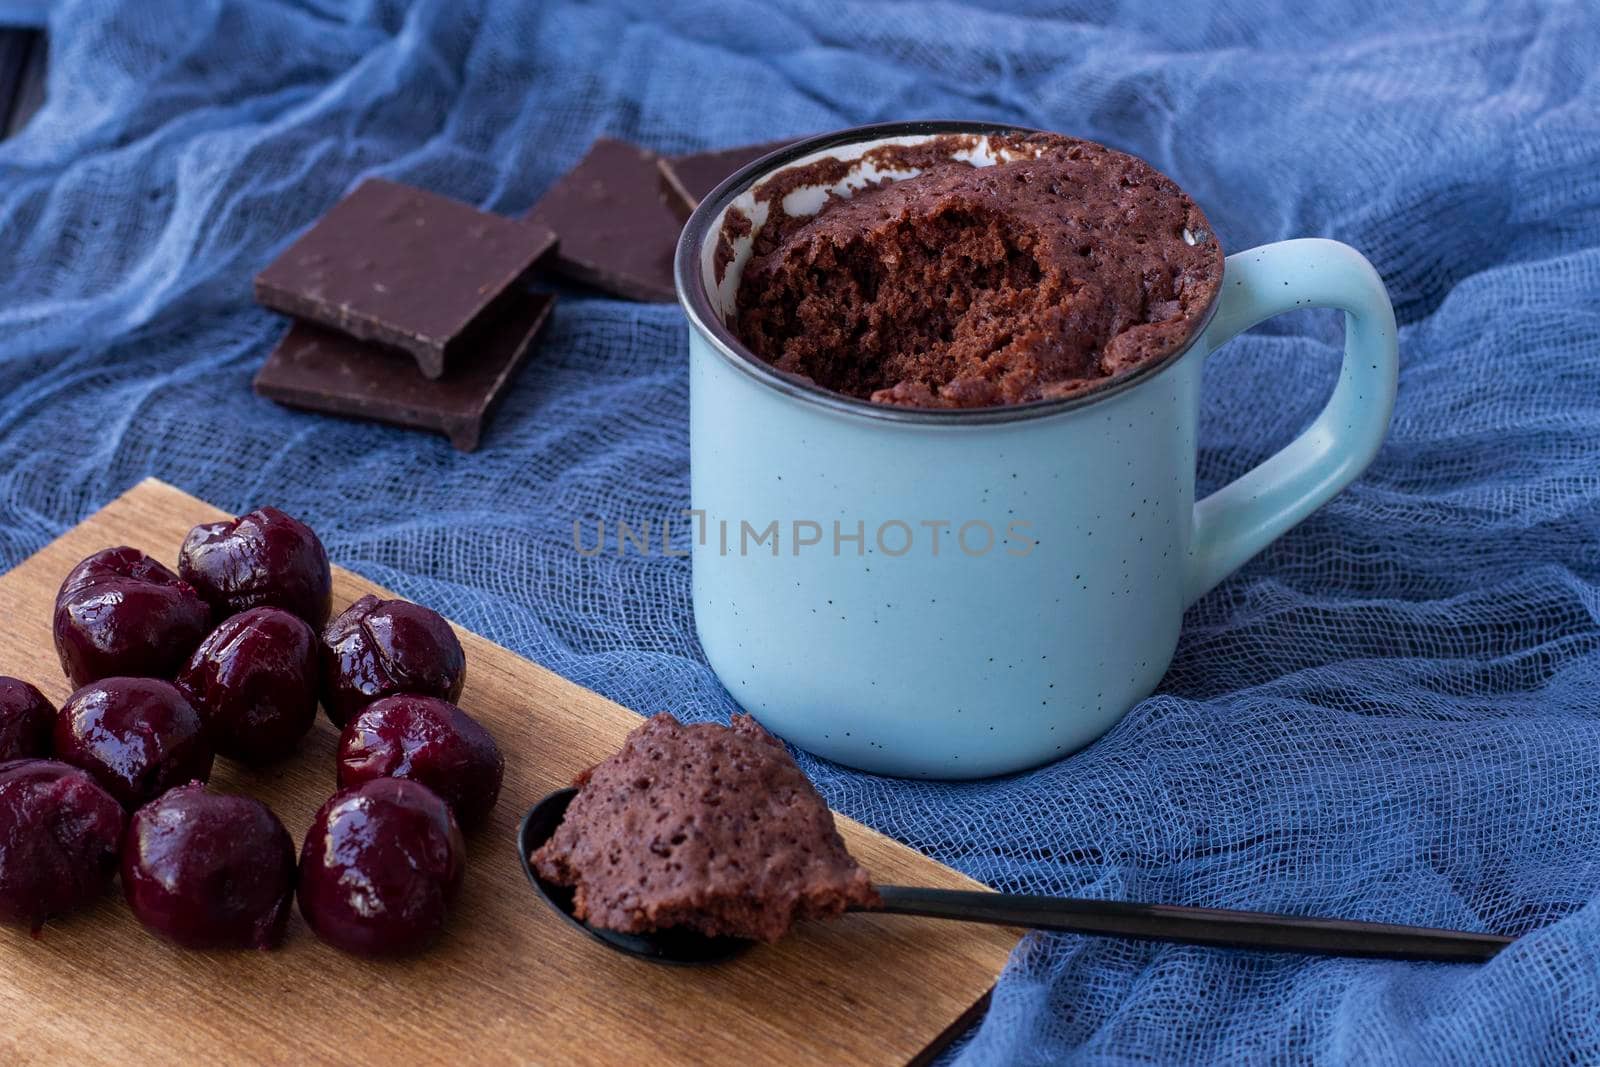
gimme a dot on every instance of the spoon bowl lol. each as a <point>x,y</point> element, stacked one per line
<point>678,946</point>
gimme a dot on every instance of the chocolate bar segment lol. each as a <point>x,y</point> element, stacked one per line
<point>690,178</point>
<point>318,369</point>
<point>404,267</point>
<point>617,231</point>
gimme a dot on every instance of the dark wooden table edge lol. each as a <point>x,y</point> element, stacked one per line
<point>948,1036</point>
<point>22,59</point>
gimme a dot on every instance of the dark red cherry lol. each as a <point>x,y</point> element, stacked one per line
<point>377,648</point>
<point>263,559</point>
<point>254,682</point>
<point>26,719</point>
<point>59,836</point>
<point>426,740</point>
<point>381,868</point>
<point>121,614</point>
<point>207,871</point>
<point>139,737</point>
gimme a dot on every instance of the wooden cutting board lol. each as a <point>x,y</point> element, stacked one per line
<point>509,983</point>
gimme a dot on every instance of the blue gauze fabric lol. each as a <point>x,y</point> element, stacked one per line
<point>26,14</point>
<point>1389,715</point>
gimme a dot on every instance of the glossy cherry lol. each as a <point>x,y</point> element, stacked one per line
<point>59,836</point>
<point>426,740</point>
<point>205,870</point>
<point>381,868</point>
<point>254,682</point>
<point>139,737</point>
<point>26,719</point>
<point>263,559</point>
<point>377,648</point>
<point>121,614</point>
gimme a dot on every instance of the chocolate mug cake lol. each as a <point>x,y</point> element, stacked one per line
<point>1060,266</point>
<point>954,330</point>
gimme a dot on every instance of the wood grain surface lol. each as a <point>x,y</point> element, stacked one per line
<point>509,983</point>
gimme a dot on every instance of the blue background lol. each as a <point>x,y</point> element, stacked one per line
<point>26,13</point>
<point>1389,715</point>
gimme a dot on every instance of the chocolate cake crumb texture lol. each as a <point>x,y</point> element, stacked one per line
<point>708,827</point>
<point>967,287</point>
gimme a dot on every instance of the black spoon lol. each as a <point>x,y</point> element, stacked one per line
<point>1150,922</point>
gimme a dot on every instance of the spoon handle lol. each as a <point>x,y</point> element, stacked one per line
<point>1198,926</point>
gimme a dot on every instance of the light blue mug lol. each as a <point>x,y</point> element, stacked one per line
<point>969,593</point>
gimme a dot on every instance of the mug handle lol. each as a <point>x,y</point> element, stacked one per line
<point>1246,515</point>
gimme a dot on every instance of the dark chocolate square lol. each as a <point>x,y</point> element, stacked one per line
<point>617,231</point>
<point>690,178</point>
<point>403,267</point>
<point>323,370</point>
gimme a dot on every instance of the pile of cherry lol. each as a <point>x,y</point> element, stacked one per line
<point>224,658</point>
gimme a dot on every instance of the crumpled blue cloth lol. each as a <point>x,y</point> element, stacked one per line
<point>1390,715</point>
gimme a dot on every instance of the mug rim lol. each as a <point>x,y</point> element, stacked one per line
<point>689,281</point>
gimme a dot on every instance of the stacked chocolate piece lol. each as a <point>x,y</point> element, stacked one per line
<point>411,308</point>
<point>620,209</point>
<point>408,309</point>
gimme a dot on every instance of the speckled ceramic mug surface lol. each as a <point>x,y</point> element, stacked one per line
<point>966,593</point>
